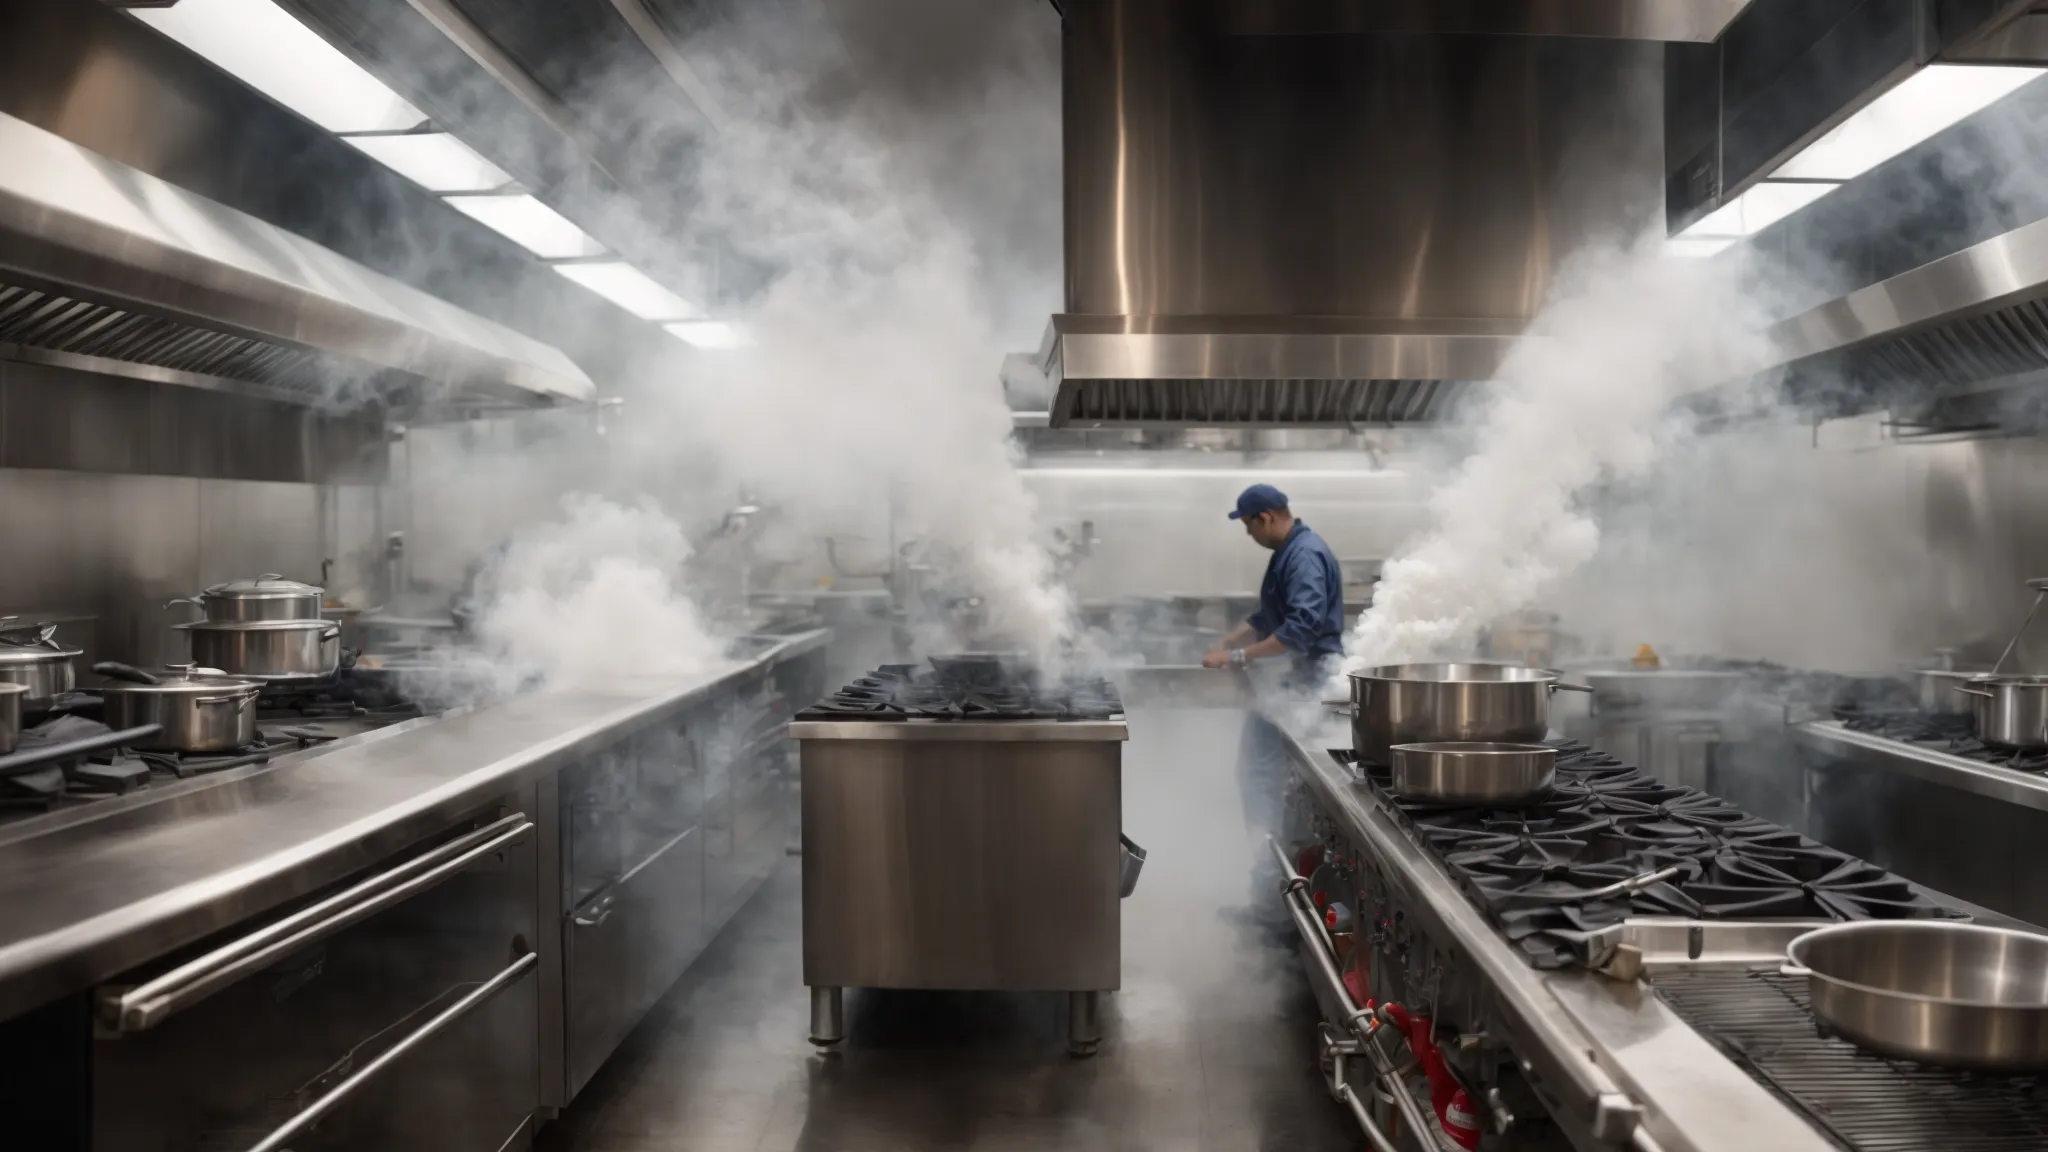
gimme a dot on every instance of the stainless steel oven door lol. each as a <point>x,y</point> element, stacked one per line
<point>395,1012</point>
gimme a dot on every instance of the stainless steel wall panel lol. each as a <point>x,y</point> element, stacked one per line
<point>246,528</point>
<point>62,419</point>
<point>115,547</point>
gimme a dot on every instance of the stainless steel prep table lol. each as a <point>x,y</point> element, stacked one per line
<point>964,855</point>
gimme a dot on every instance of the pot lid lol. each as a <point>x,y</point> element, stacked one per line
<point>269,586</point>
<point>257,625</point>
<point>181,679</point>
<point>31,644</point>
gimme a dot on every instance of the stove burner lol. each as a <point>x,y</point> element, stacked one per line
<point>1956,735</point>
<point>1533,868</point>
<point>965,688</point>
<point>341,695</point>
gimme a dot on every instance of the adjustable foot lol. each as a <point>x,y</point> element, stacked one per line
<point>828,1017</point>
<point>1084,1023</point>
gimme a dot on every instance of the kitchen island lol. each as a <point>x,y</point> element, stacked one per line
<point>439,898</point>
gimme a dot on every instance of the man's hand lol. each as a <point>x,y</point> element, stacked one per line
<point>1217,659</point>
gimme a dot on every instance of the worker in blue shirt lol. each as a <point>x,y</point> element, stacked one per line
<point>1301,599</point>
<point>1300,617</point>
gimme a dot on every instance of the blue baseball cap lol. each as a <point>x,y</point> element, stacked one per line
<point>1258,498</point>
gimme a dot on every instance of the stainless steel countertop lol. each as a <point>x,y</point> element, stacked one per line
<point>122,881</point>
<point>1849,748</point>
<point>1594,1044</point>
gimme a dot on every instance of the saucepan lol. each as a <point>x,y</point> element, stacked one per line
<point>200,709</point>
<point>30,656</point>
<point>267,597</point>
<point>1433,703</point>
<point>1462,772</point>
<point>1936,991</point>
<point>2011,711</point>
<point>267,649</point>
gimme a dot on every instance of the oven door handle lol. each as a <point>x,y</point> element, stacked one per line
<point>340,1093</point>
<point>146,1005</point>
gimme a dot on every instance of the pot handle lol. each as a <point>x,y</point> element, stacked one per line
<point>1966,690</point>
<point>1789,968</point>
<point>1563,686</point>
<point>244,699</point>
<point>1344,706</point>
<point>117,671</point>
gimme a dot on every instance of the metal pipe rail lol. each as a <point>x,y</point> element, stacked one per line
<point>1363,1023</point>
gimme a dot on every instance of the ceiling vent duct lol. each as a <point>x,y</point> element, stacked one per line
<point>1332,214</point>
<point>111,270</point>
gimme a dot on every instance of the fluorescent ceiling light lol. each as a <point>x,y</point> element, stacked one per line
<point>1916,108</point>
<point>631,289</point>
<point>1755,210</point>
<point>264,47</point>
<point>717,334</point>
<point>435,161</point>
<point>1767,203</point>
<point>1695,247</point>
<point>530,224</point>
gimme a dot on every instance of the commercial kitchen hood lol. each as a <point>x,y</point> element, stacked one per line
<point>108,269</point>
<point>1972,321</point>
<point>1332,213</point>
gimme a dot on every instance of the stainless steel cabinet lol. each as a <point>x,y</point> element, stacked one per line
<point>659,840</point>
<point>396,1012</point>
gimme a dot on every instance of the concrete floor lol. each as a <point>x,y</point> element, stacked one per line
<point>1208,1045</point>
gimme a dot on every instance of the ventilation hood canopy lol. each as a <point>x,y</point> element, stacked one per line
<point>109,269</point>
<point>1972,321</point>
<point>1332,213</point>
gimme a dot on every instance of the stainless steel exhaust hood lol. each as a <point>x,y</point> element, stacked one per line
<point>106,268</point>
<point>1334,214</point>
<point>1975,319</point>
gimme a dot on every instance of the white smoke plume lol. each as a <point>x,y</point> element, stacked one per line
<point>845,229</point>
<point>594,596</point>
<point>873,379</point>
<point>1584,399</point>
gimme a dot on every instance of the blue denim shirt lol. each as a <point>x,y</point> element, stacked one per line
<point>1301,599</point>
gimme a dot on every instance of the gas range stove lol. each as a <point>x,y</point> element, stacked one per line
<point>966,688</point>
<point>68,757</point>
<point>1552,875</point>
<point>1955,735</point>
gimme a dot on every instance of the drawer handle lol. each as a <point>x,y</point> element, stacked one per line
<point>339,1094</point>
<point>597,914</point>
<point>147,1005</point>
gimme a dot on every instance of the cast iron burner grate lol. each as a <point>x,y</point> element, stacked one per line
<point>1955,735</point>
<point>1532,868</point>
<point>1863,1102</point>
<point>966,688</point>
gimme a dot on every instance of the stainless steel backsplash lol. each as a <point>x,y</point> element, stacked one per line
<point>116,495</point>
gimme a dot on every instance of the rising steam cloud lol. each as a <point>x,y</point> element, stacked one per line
<point>1584,399</point>
<point>595,595</point>
<point>845,229</point>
